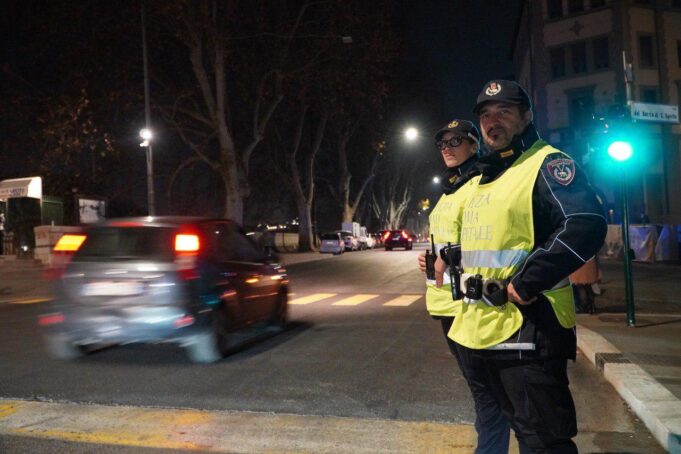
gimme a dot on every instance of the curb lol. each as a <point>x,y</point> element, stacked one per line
<point>655,405</point>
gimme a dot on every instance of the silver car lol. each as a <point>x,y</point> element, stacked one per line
<point>332,243</point>
<point>190,281</point>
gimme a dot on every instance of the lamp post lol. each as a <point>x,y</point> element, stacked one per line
<point>146,133</point>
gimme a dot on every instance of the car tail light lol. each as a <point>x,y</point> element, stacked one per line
<point>187,243</point>
<point>50,319</point>
<point>404,235</point>
<point>61,254</point>
<point>386,235</point>
<point>187,247</point>
<point>69,243</point>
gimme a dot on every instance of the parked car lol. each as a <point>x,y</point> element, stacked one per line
<point>369,241</point>
<point>332,242</point>
<point>190,281</point>
<point>351,242</point>
<point>398,238</point>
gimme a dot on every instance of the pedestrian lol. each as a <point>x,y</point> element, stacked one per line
<point>529,222</point>
<point>459,144</point>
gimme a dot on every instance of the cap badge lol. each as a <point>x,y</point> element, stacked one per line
<point>493,89</point>
<point>453,124</point>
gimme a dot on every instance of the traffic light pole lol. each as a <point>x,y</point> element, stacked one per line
<point>628,282</point>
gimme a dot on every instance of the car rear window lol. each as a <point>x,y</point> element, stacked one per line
<point>127,243</point>
<point>329,236</point>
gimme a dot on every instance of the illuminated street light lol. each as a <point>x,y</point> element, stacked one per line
<point>436,180</point>
<point>411,134</point>
<point>146,135</point>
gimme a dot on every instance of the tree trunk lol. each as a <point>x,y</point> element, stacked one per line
<point>305,234</point>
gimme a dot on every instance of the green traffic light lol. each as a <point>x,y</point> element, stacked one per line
<point>620,151</point>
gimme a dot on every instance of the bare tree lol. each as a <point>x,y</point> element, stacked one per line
<point>242,55</point>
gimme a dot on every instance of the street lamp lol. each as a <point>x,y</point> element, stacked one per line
<point>436,180</point>
<point>411,134</point>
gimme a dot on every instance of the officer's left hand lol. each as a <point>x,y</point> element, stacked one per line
<point>514,297</point>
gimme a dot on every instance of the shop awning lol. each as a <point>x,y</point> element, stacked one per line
<point>21,187</point>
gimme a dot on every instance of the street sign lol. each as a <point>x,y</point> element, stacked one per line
<point>660,113</point>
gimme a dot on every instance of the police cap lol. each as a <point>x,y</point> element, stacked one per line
<point>502,91</point>
<point>461,128</point>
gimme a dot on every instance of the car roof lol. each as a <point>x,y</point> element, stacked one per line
<point>158,221</point>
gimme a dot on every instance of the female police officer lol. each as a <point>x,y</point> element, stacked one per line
<point>459,143</point>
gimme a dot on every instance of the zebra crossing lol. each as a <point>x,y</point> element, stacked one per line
<point>336,299</point>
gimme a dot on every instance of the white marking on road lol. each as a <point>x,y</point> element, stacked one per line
<point>355,300</point>
<point>403,300</point>
<point>312,298</point>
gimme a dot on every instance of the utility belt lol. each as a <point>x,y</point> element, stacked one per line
<point>473,288</point>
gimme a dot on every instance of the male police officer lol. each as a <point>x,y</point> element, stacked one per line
<point>459,143</point>
<point>530,221</point>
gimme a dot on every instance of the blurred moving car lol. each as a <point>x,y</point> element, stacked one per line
<point>190,281</point>
<point>351,242</point>
<point>397,238</point>
<point>332,243</point>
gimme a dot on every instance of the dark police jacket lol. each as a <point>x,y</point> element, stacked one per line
<point>569,229</point>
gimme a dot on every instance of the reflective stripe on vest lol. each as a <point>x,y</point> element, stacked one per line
<point>497,235</point>
<point>493,259</point>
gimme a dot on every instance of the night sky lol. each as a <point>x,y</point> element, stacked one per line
<point>451,48</point>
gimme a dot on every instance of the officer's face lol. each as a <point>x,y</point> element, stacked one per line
<point>500,121</point>
<point>455,156</point>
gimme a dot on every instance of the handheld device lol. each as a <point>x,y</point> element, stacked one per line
<point>430,260</point>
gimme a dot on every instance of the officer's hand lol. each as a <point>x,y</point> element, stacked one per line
<point>514,297</point>
<point>422,262</point>
<point>440,268</point>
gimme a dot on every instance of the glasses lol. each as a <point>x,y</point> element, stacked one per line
<point>451,143</point>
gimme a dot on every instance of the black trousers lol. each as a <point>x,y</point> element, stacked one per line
<point>534,396</point>
<point>491,424</point>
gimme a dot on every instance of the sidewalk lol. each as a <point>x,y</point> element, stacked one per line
<point>643,363</point>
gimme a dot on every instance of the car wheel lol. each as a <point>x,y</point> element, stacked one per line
<point>409,248</point>
<point>210,346</point>
<point>280,317</point>
<point>388,248</point>
<point>61,347</point>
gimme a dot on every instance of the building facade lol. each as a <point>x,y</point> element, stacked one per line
<point>569,55</point>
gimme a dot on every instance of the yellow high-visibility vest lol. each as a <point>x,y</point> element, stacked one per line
<point>497,236</point>
<point>445,223</point>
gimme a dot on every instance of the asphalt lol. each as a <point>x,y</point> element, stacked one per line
<point>642,362</point>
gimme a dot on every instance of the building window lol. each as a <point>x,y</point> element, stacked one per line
<point>575,6</point>
<point>649,95</point>
<point>578,52</point>
<point>581,107</point>
<point>601,53</point>
<point>598,3</point>
<point>557,56</point>
<point>554,8</point>
<point>646,50</point>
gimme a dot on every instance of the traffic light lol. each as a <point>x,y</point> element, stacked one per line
<point>620,150</point>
